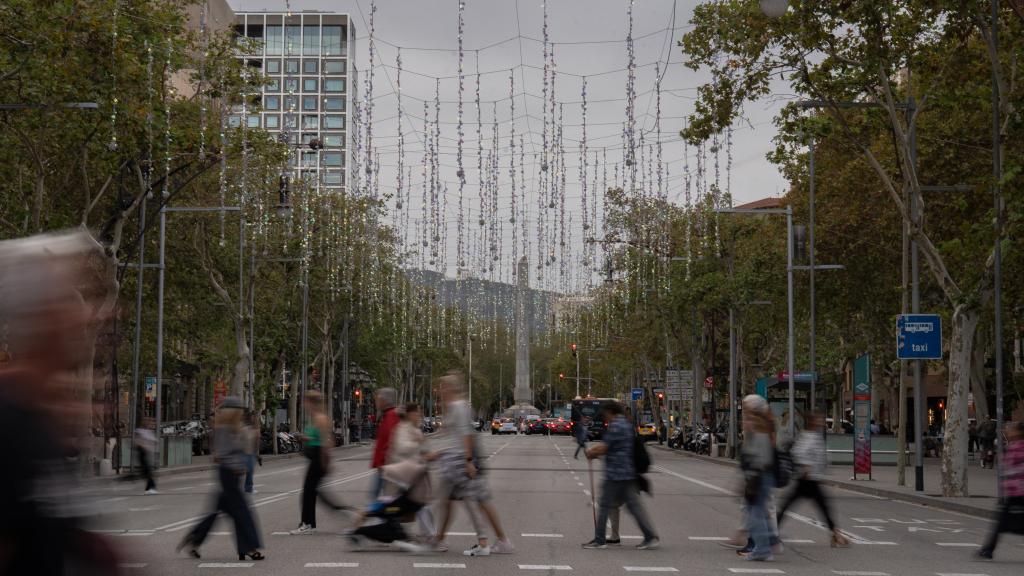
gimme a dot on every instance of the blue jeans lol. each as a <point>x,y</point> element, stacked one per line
<point>759,523</point>
<point>250,468</point>
<point>376,485</point>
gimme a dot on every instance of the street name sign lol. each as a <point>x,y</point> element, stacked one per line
<point>638,394</point>
<point>919,337</point>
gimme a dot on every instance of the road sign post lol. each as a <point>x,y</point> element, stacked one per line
<point>919,337</point>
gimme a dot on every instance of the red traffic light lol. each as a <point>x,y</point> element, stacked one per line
<point>561,376</point>
<point>573,346</point>
<point>358,392</point>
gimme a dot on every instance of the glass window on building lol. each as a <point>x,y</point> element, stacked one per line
<point>334,66</point>
<point>309,66</point>
<point>308,137</point>
<point>273,66</point>
<point>333,159</point>
<point>309,121</point>
<point>309,103</point>
<point>334,84</point>
<point>309,84</point>
<point>272,121</point>
<point>273,85</point>
<point>291,85</point>
<point>293,160</point>
<point>332,177</point>
<point>291,121</point>
<point>334,41</point>
<point>274,40</point>
<point>271,102</point>
<point>334,121</point>
<point>309,159</point>
<point>334,103</point>
<point>253,121</point>
<point>311,40</point>
<point>291,66</point>
<point>292,39</point>
<point>291,103</point>
<point>332,140</point>
<point>234,121</point>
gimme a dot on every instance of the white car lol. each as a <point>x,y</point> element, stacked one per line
<point>507,427</point>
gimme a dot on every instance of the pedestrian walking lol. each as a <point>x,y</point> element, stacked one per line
<point>463,475</point>
<point>385,402</point>
<point>145,446</point>
<point>1011,511</point>
<point>621,484</point>
<point>757,460</point>
<point>811,460</point>
<point>252,450</point>
<point>316,435</point>
<point>229,449</point>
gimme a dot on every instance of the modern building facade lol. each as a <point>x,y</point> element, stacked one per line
<point>306,58</point>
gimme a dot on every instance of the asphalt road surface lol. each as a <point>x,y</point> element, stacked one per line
<point>543,497</point>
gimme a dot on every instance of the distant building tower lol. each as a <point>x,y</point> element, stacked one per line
<point>523,395</point>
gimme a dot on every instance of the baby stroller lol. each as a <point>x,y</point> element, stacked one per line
<point>406,494</point>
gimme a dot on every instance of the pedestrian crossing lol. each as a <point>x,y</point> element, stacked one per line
<point>427,567</point>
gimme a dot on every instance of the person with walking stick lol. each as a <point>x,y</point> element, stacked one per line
<point>621,482</point>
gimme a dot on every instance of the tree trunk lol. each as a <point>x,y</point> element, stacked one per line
<point>978,386</point>
<point>954,446</point>
<point>293,395</point>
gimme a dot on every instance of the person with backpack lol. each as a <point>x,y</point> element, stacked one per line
<point>810,459</point>
<point>625,463</point>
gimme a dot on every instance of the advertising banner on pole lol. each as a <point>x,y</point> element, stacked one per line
<point>862,416</point>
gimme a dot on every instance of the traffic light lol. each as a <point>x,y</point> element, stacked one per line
<point>573,346</point>
<point>561,375</point>
<point>661,395</point>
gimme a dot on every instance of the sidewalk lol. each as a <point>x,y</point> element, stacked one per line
<point>205,462</point>
<point>981,484</point>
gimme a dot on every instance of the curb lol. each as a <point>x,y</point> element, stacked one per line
<point>190,468</point>
<point>929,501</point>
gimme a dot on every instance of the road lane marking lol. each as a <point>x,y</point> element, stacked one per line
<point>707,485</point>
<point>226,565</point>
<point>797,541</point>
<point>544,567</point>
<point>437,565</point>
<point>957,574</point>
<point>710,538</point>
<point>650,569</point>
<point>111,500</point>
<point>135,534</point>
<point>859,573</point>
<point>959,544</point>
<point>531,535</point>
<point>132,565</point>
<point>332,565</point>
<point>460,533</point>
<point>756,571</point>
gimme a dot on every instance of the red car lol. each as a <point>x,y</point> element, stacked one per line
<point>560,426</point>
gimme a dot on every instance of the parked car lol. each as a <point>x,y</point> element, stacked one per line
<point>846,425</point>
<point>536,427</point>
<point>560,426</point>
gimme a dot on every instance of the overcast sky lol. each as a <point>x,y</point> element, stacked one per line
<point>589,38</point>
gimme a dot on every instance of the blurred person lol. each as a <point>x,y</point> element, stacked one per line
<point>317,449</point>
<point>385,402</point>
<point>811,460</point>
<point>462,474</point>
<point>621,484</point>
<point>46,306</point>
<point>252,450</point>
<point>229,450</point>
<point>407,444</point>
<point>1011,510</point>
<point>145,447</point>
<point>757,460</point>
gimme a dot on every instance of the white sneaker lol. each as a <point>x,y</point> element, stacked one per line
<point>411,547</point>
<point>477,550</point>
<point>503,547</point>
<point>150,492</point>
<point>303,529</point>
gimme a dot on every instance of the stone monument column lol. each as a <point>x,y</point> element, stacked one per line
<point>523,395</point>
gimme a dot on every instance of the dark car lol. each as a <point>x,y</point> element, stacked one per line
<point>560,426</point>
<point>536,427</point>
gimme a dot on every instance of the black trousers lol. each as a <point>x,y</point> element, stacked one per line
<point>1003,521</point>
<point>806,488</point>
<point>231,502</point>
<point>311,487</point>
<point>147,468</point>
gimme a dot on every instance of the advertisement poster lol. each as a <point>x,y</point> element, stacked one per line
<point>220,390</point>
<point>862,416</point>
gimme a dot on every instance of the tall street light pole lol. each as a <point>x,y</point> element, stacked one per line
<point>997,279</point>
